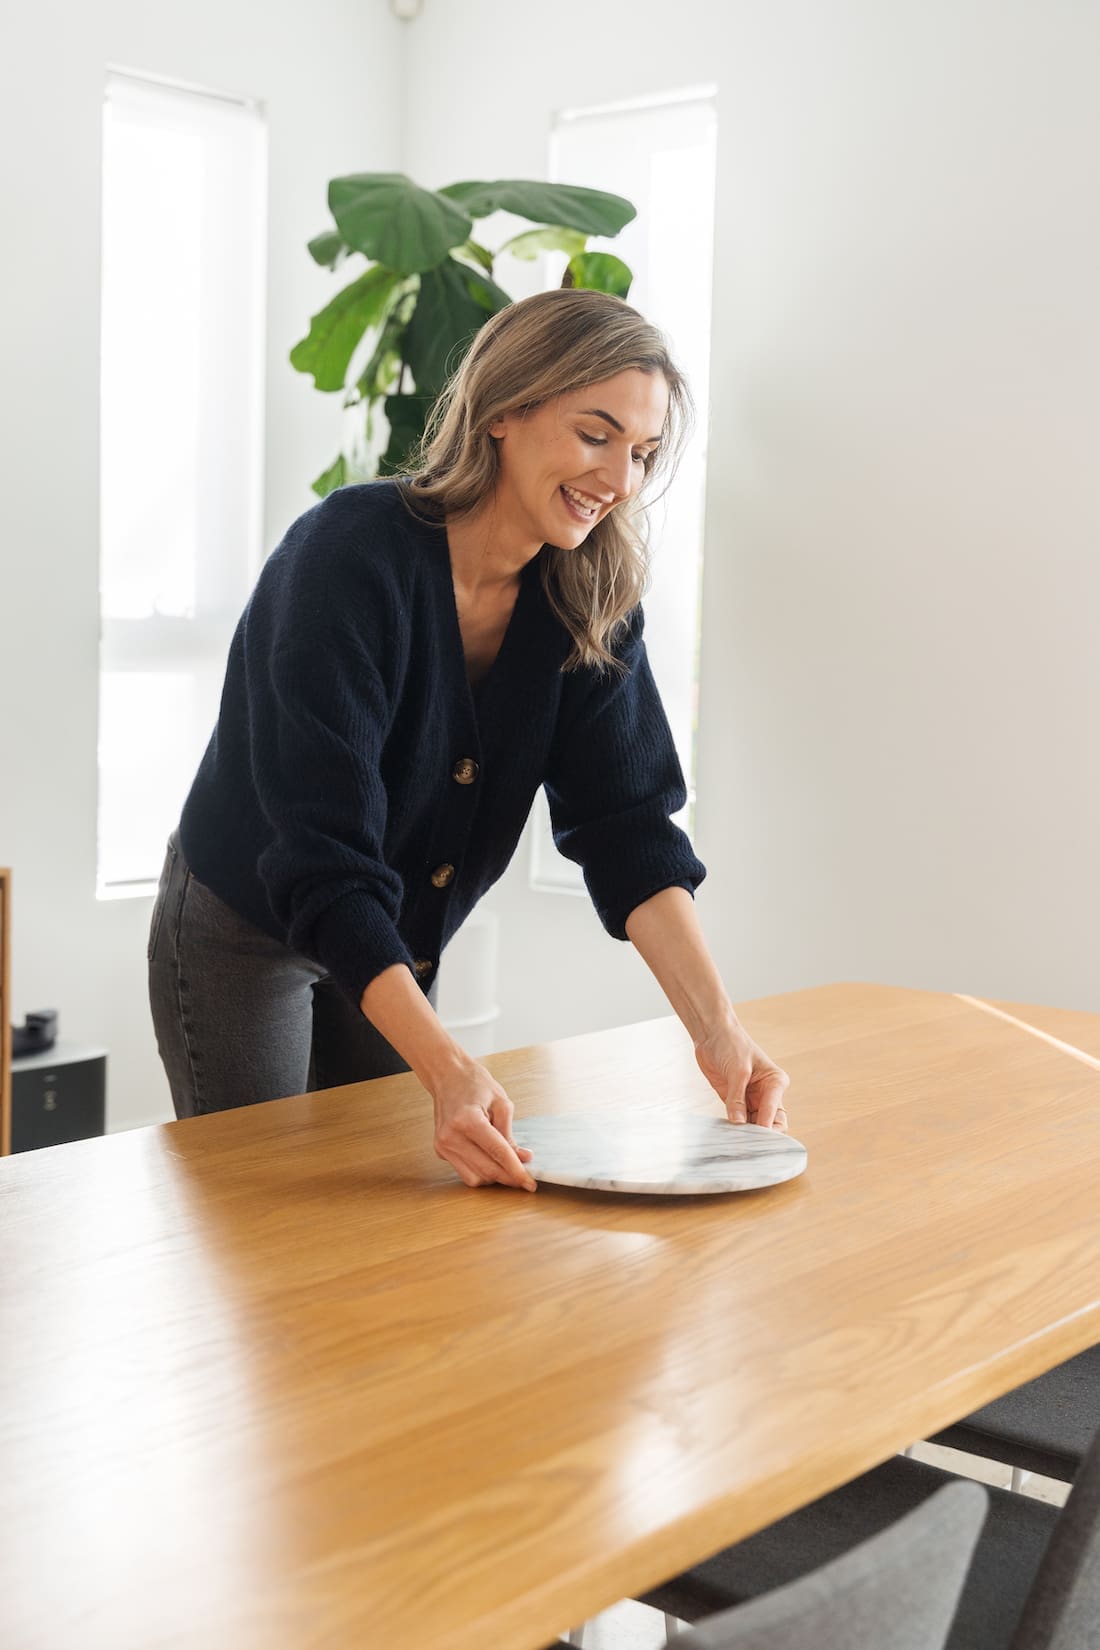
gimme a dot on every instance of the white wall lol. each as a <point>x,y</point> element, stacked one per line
<point>899,765</point>
<point>331,77</point>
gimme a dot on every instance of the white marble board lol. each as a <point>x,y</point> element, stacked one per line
<point>658,1153</point>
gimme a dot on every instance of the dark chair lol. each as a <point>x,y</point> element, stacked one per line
<point>1034,1583</point>
<point>897,1591</point>
<point>1044,1426</point>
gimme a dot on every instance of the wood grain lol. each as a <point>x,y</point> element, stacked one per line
<point>274,1380</point>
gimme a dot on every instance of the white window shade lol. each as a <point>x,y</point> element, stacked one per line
<point>660,154</point>
<point>184,204</point>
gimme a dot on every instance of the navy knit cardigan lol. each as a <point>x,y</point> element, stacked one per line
<point>357,797</point>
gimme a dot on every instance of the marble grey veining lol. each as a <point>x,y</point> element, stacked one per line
<point>674,1154</point>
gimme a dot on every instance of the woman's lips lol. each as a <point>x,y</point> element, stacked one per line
<point>576,509</point>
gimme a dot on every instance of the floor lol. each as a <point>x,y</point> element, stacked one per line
<point>630,1626</point>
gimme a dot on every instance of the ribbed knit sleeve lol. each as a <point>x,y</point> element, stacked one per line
<point>321,667</point>
<point>613,781</point>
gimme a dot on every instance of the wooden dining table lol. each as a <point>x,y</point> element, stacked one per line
<point>274,1379</point>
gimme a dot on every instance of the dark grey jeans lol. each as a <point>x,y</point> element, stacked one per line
<point>241,1018</point>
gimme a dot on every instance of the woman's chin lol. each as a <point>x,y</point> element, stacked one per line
<point>568,541</point>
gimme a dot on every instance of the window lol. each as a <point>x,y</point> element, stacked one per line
<point>181,405</point>
<point>660,154</point>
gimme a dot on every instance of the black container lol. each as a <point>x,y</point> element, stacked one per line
<point>58,1096</point>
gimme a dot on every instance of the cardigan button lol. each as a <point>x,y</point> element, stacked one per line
<point>442,875</point>
<point>422,967</point>
<point>465,771</point>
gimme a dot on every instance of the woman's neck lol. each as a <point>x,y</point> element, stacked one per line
<point>486,553</point>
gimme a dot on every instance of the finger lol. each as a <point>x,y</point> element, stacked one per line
<point>460,1167</point>
<point>500,1114</point>
<point>490,1143</point>
<point>766,1100</point>
<point>492,1173</point>
<point>471,1164</point>
<point>737,1109</point>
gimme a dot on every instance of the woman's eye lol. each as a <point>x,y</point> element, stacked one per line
<point>601,441</point>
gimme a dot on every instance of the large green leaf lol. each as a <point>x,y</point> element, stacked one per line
<point>478,254</point>
<point>452,306</point>
<point>484,291</point>
<point>548,239</point>
<point>328,481</point>
<point>601,272</point>
<point>336,330</point>
<point>394,221</point>
<point>406,414</point>
<point>589,210</point>
<point>328,249</point>
<point>382,371</point>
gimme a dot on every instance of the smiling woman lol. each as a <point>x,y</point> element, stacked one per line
<point>602,459</point>
<point>417,658</point>
<point>522,407</point>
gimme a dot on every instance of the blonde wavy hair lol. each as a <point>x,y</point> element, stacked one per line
<point>528,354</point>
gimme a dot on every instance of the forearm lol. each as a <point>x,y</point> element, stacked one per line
<point>396,1006</point>
<point>666,932</point>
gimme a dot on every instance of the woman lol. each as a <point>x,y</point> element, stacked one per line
<point>417,658</point>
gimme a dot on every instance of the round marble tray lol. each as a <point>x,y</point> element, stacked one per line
<point>670,1154</point>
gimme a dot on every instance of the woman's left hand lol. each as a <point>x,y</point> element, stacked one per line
<point>666,931</point>
<point>752,1087</point>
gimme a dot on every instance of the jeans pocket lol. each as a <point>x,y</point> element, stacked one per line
<point>161,900</point>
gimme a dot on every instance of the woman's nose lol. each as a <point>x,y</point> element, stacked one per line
<point>617,470</point>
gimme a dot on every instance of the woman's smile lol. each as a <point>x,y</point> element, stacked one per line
<point>580,505</point>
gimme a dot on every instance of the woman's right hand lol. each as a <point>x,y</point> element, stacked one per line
<point>473,1129</point>
<point>473,1115</point>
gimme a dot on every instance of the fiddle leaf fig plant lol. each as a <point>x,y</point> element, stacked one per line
<point>390,338</point>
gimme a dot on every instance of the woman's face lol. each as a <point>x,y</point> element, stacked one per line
<point>566,464</point>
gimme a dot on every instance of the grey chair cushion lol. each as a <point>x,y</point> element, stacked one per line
<point>1008,1555</point>
<point>1044,1426</point>
<point>895,1592</point>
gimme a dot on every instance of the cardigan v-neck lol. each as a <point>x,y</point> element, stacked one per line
<point>517,619</point>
